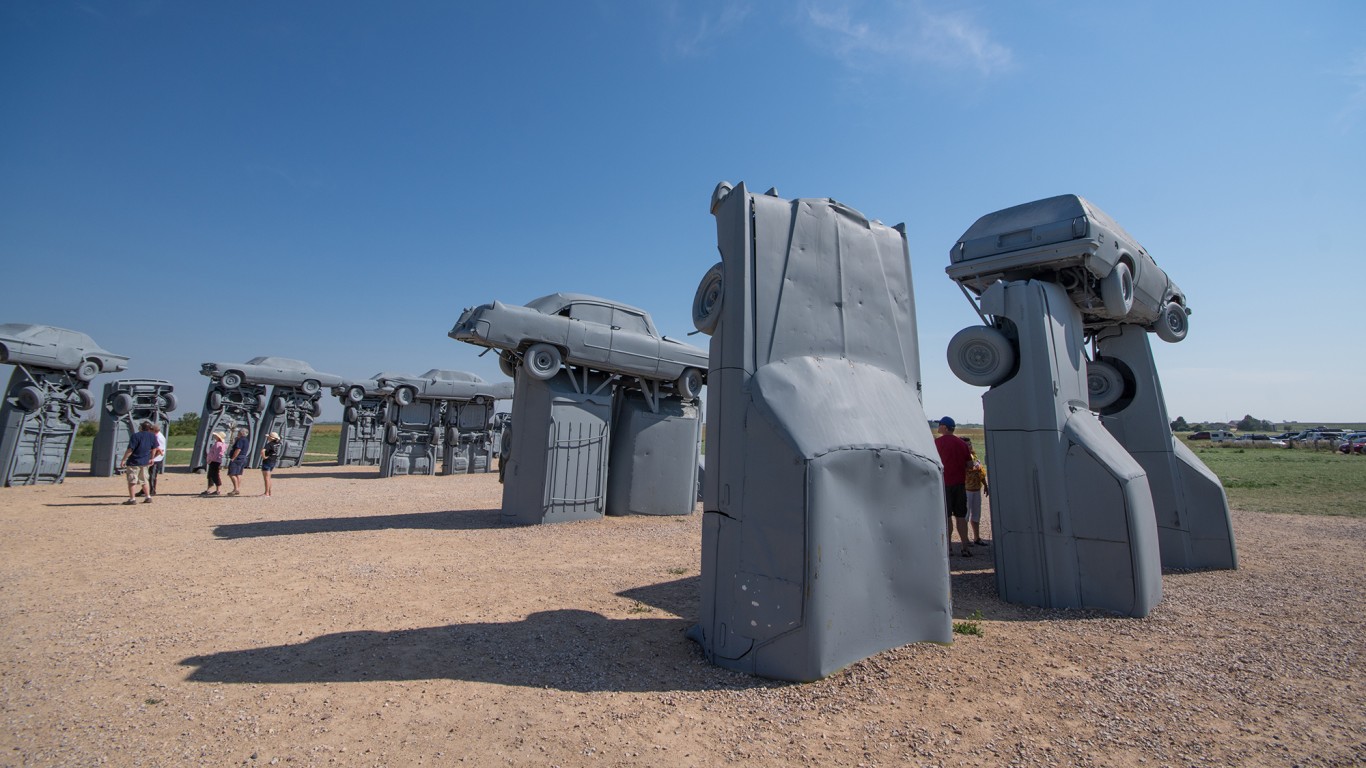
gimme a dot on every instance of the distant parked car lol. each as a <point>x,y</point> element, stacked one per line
<point>47,346</point>
<point>1221,436</point>
<point>582,330</point>
<point>1353,442</point>
<point>271,370</point>
<point>1202,435</point>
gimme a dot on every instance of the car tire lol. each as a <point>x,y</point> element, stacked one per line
<point>1117,291</point>
<point>215,400</point>
<point>350,414</point>
<point>981,355</point>
<point>87,370</point>
<point>121,404</point>
<point>689,384</point>
<point>542,361</point>
<point>260,406</point>
<point>168,402</point>
<point>452,436</point>
<point>355,394</point>
<point>391,434</point>
<point>1104,384</point>
<point>405,395</point>
<point>84,400</point>
<point>278,406</point>
<point>232,380</point>
<point>311,386</point>
<point>507,364</point>
<point>706,303</point>
<point>1172,323</point>
<point>30,398</point>
<point>317,408</point>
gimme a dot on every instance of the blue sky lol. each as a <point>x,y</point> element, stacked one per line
<point>336,181</point>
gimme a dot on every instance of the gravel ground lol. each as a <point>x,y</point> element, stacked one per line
<point>349,620</point>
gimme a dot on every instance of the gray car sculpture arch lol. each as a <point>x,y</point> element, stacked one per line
<point>1091,492</point>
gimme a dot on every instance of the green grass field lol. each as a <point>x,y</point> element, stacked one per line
<point>1286,481</point>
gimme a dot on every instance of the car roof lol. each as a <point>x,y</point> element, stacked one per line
<point>436,374</point>
<point>281,362</point>
<point>55,335</point>
<point>552,303</point>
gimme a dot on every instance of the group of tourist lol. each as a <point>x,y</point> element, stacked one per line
<point>965,483</point>
<point>146,456</point>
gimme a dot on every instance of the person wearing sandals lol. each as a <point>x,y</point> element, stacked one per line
<point>270,456</point>
<point>218,449</point>
<point>237,461</point>
<point>137,460</point>
<point>954,455</point>
<point>975,484</point>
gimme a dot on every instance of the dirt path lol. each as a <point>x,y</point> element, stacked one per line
<point>350,620</point>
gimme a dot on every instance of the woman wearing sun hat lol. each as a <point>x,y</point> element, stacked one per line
<point>270,456</point>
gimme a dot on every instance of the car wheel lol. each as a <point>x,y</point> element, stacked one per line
<point>84,400</point>
<point>1117,291</point>
<point>277,406</point>
<point>215,400</point>
<point>87,370</point>
<point>452,436</point>
<point>689,384</point>
<point>311,386</point>
<point>391,434</point>
<point>121,404</point>
<point>1104,384</point>
<point>1172,324</point>
<point>405,395</point>
<point>350,414</point>
<point>260,404</point>
<point>317,408</point>
<point>542,361</point>
<point>507,364</point>
<point>232,380</point>
<point>168,402</point>
<point>981,355</point>
<point>706,303</point>
<point>355,394</point>
<point>30,398</point>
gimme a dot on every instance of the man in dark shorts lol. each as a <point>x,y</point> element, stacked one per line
<point>954,454</point>
<point>237,461</point>
<point>137,460</point>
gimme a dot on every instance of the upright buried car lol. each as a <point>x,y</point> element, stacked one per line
<point>46,346</point>
<point>1069,241</point>
<point>575,329</point>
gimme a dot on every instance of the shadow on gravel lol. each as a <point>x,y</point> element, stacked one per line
<point>462,520</point>
<point>340,474</point>
<point>567,650</point>
<point>679,597</point>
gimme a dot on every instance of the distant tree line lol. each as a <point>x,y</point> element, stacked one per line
<point>1248,423</point>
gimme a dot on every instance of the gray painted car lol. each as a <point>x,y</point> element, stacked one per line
<point>437,384</point>
<point>577,329</point>
<point>1069,241</point>
<point>271,370</point>
<point>46,346</point>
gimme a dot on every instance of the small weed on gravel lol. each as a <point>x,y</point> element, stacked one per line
<point>969,627</point>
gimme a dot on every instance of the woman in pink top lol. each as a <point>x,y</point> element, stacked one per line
<point>217,450</point>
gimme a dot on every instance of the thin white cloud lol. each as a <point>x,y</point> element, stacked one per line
<point>696,34</point>
<point>864,37</point>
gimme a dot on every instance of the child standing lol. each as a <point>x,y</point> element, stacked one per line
<point>975,483</point>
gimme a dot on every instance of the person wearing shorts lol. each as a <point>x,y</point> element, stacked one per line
<point>137,461</point>
<point>975,483</point>
<point>270,456</point>
<point>237,461</point>
<point>954,455</point>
